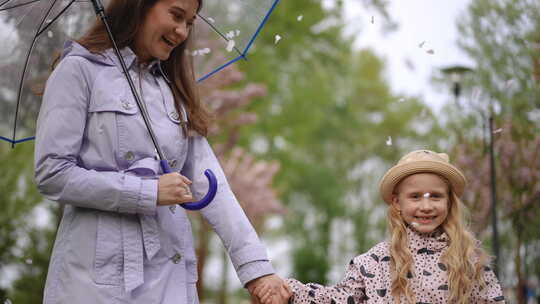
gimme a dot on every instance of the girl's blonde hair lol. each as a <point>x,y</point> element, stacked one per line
<point>464,258</point>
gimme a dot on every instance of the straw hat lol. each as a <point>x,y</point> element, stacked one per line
<point>421,161</point>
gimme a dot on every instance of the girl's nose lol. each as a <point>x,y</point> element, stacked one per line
<point>425,204</point>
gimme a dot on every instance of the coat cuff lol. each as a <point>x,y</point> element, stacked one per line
<point>253,270</point>
<point>138,196</point>
<point>248,254</point>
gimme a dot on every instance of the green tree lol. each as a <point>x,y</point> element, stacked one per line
<point>328,113</point>
<point>502,37</point>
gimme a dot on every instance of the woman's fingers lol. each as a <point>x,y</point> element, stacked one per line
<point>173,188</point>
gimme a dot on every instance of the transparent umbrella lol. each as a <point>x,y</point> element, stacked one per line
<point>34,31</point>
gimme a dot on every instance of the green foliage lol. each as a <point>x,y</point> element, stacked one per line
<point>328,112</point>
<point>22,245</point>
<point>503,36</point>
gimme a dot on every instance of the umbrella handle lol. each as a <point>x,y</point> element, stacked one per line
<point>207,199</point>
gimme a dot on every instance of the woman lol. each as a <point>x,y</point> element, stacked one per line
<point>121,239</point>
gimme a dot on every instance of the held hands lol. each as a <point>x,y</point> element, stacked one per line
<point>269,289</point>
<point>173,188</point>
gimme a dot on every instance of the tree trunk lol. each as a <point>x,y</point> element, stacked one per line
<point>520,288</point>
<point>222,296</point>
<point>203,238</point>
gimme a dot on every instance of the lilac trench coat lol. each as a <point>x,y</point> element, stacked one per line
<point>94,156</point>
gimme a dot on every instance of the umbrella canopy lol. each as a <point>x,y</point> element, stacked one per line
<point>33,33</point>
<point>34,30</point>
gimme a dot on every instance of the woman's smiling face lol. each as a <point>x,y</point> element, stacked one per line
<point>166,25</point>
<point>423,201</point>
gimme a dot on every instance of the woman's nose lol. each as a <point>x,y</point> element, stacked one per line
<point>182,31</point>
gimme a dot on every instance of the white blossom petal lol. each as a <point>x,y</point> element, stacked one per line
<point>299,18</point>
<point>277,39</point>
<point>230,45</point>
<point>389,141</point>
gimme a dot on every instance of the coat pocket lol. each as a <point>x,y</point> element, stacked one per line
<point>108,255</point>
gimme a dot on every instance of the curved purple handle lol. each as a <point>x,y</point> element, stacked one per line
<point>207,199</point>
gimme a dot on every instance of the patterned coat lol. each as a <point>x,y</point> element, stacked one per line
<point>367,279</point>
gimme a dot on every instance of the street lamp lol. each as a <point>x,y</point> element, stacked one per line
<point>456,74</point>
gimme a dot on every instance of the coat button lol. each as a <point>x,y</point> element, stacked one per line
<point>176,258</point>
<point>126,105</point>
<point>172,208</point>
<point>129,156</point>
<point>174,116</point>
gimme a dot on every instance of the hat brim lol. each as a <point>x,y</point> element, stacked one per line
<point>401,171</point>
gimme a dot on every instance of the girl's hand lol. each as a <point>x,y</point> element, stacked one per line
<point>266,294</point>
<point>173,188</point>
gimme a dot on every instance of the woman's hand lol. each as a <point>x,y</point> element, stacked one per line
<point>173,188</point>
<point>270,289</point>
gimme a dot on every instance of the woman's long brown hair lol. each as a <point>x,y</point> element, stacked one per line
<point>125,18</point>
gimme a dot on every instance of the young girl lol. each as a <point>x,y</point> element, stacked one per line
<point>430,257</point>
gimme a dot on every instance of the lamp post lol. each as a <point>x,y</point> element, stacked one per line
<point>456,74</point>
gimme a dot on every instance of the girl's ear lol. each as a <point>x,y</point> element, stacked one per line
<point>395,202</point>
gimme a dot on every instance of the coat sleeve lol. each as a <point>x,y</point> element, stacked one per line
<point>491,293</point>
<point>225,215</point>
<point>351,289</point>
<point>60,132</point>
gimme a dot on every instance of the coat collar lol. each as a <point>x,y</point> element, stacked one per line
<point>427,243</point>
<point>109,58</point>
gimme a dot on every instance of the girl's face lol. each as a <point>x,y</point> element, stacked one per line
<point>423,201</point>
<point>165,26</point>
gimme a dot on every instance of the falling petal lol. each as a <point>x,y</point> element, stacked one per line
<point>230,35</point>
<point>476,94</point>
<point>211,20</point>
<point>205,51</point>
<point>230,45</point>
<point>409,64</point>
<point>389,141</point>
<point>415,224</point>
<point>237,33</point>
<point>401,100</point>
<point>510,83</point>
<point>50,34</point>
<point>28,261</point>
<point>497,131</point>
<point>372,20</point>
<point>277,39</point>
<point>299,18</point>
<point>427,195</point>
<point>7,301</point>
<point>421,45</point>
<point>430,51</point>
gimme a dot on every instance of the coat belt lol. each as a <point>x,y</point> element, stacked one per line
<point>143,234</point>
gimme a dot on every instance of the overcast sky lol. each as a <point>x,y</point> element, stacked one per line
<point>431,22</point>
